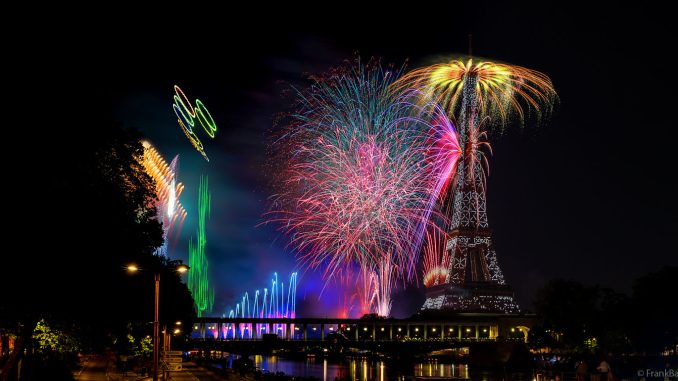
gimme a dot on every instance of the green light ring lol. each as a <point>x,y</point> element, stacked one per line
<point>186,115</point>
<point>181,97</point>
<point>202,113</point>
<point>180,114</point>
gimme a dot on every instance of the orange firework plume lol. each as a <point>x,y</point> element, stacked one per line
<point>168,190</point>
<point>499,89</point>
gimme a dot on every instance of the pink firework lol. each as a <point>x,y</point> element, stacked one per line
<point>364,168</point>
<point>384,275</point>
<point>444,152</point>
<point>365,291</point>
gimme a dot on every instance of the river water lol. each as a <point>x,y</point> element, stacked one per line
<point>362,369</point>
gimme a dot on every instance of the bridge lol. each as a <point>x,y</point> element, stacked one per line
<point>463,327</point>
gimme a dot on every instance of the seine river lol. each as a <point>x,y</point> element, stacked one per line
<point>364,369</point>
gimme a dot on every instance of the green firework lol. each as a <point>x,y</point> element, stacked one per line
<point>197,278</point>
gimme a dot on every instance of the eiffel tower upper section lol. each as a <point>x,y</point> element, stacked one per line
<point>475,282</point>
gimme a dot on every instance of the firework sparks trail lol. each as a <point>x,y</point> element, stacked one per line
<point>480,95</point>
<point>365,167</point>
<point>499,90</point>
<point>362,176</point>
<point>344,284</point>
<point>365,290</point>
<point>168,190</point>
<point>384,274</point>
<point>436,259</point>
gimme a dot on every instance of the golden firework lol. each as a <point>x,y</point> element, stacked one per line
<point>500,90</point>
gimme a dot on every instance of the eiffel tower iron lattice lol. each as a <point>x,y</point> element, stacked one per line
<point>474,282</point>
<point>476,95</point>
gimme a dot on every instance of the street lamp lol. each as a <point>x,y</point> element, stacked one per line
<point>178,267</point>
<point>167,342</point>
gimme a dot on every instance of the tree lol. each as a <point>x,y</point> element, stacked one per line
<point>48,339</point>
<point>619,324</point>
<point>92,214</point>
<point>540,337</point>
<point>569,308</point>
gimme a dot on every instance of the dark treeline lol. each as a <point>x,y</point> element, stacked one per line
<point>85,212</point>
<point>588,318</point>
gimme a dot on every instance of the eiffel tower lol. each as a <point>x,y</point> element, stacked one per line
<point>474,281</point>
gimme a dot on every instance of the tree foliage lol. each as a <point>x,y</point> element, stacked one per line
<point>91,214</point>
<point>48,339</point>
<point>575,314</point>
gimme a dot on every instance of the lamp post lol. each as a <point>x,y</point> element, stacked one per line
<point>156,326</point>
<point>178,267</point>
<point>167,342</point>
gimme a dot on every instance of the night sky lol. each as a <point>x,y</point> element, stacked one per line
<point>588,195</point>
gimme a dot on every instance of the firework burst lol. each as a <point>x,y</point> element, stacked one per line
<point>168,190</point>
<point>365,290</point>
<point>478,95</point>
<point>364,168</point>
<point>436,259</point>
<point>362,175</point>
<point>384,281</point>
<point>443,152</point>
<point>499,89</point>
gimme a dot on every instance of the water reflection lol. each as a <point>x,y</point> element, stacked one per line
<point>357,369</point>
<point>435,369</point>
